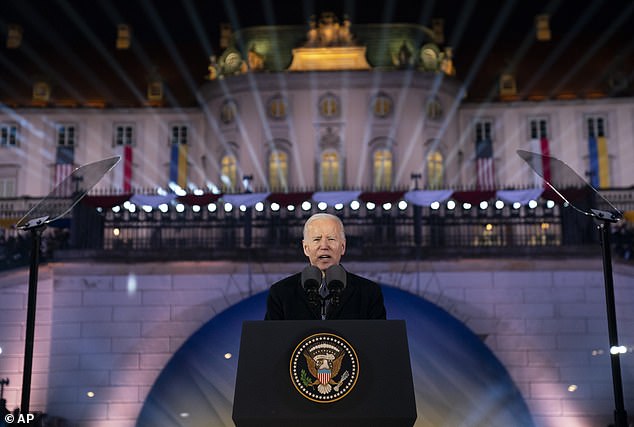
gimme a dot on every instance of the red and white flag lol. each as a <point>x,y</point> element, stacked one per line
<point>485,173</point>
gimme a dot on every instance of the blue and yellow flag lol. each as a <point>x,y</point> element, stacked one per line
<point>599,161</point>
<point>178,165</point>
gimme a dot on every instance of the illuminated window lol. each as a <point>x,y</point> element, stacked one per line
<point>8,180</point>
<point>229,172</point>
<point>330,170</point>
<point>329,106</point>
<point>382,105</point>
<point>435,170</point>
<point>278,170</point>
<point>382,167</point>
<point>277,108</point>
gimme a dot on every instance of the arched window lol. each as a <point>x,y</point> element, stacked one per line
<point>229,172</point>
<point>330,171</point>
<point>277,108</point>
<point>435,169</point>
<point>329,106</point>
<point>228,111</point>
<point>382,105</point>
<point>382,169</point>
<point>278,170</point>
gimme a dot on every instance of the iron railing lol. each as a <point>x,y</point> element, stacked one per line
<point>270,232</point>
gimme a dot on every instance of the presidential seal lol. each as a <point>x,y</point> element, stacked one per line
<point>324,368</point>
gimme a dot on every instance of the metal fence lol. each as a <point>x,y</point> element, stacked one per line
<point>272,232</point>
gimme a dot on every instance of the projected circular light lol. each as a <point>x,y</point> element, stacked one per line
<point>211,207</point>
<point>290,208</point>
<point>196,208</point>
<point>439,339</point>
<point>147,208</point>
<point>451,205</point>
<point>354,205</point>
<point>306,206</point>
<point>370,206</point>
<point>322,206</point>
<point>499,204</point>
<point>466,206</point>
<point>116,209</point>
<point>484,204</point>
<point>387,206</point>
<point>436,205</point>
<point>339,206</point>
<point>180,208</point>
<point>275,207</point>
<point>228,207</point>
<point>550,204</point>
<point>532,204</point>
<point>163,207</point>
<point>90,394</point>
<point>259,206</point>
<point>242,208</point>
<point>517,205</point>
<point>132,208</point>
<point>228,356</point>
<point>402,205</point>
<point>116,232</point>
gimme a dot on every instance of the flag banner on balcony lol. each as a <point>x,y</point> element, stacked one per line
<point>290,199</point>
<point>332,198</point>
<point>485,174</point>
<point>106,202</point>
<point>245,199</point>
<point>64,159</point>
<point>521,196</point>
<point>381,197</point>
<point>427,197</point>
<point>473,197</point>
<point>127,168</point>
<point>198,199</point>
<point>542,146</point>
<point>178,165</point>
<point>599,161</point>
<point>153,200</point>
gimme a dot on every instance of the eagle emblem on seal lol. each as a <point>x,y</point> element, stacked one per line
<point>324,367</point>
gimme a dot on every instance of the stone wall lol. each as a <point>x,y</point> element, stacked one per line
<point>110,329</point>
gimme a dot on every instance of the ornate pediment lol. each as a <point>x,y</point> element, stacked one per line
<point>329,46</point>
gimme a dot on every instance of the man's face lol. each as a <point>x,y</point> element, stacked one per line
<point>323,243</point>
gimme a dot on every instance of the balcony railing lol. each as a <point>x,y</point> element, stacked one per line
<point>273,231</point>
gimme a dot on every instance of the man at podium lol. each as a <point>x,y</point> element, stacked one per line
<point>324,289</point>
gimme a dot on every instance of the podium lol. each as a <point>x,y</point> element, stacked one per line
<point>313,373</point>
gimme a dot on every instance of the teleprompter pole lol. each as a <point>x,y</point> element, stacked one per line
<point>620,414</point>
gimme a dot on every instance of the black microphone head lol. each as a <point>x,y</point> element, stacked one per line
<point>335,278</point>
<point>311,278</point>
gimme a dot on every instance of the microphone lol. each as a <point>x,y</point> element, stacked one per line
<point>335,282</point>
<point>311,281</point>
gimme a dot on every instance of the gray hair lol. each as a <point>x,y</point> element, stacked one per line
<point>322,215</point>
